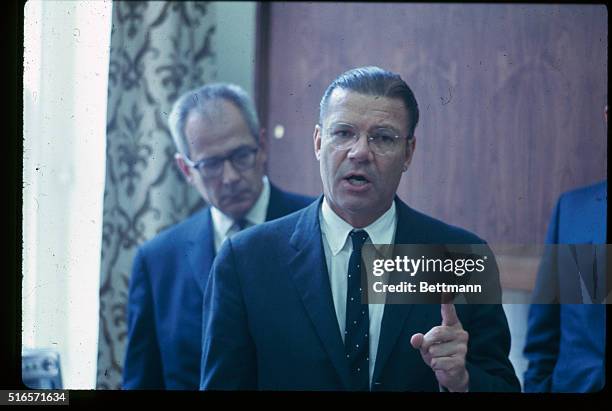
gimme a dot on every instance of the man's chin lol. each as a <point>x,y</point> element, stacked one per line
<point>355,201</point>
<point>237,209</point>
<point>353,205</point>
<point>358,207</point>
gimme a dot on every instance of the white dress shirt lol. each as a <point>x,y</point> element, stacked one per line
<point>338,251</point>
<point>225,227</point>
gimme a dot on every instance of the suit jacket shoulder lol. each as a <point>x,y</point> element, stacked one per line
<point>172,237</point>
<point>593,192</point>
<point>580,216</point>
<point>418,228</point>
<point>283,203</point>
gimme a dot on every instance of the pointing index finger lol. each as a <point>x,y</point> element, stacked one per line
<point>449,314</point>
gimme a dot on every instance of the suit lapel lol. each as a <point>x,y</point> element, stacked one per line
<point>309,272</point>
<point>599,243</point>
<point>201,247</point>
<point>587,259</point>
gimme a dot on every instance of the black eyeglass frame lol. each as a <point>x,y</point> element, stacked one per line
<point>242,159</point>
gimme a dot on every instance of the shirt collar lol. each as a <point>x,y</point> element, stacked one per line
<point>336,230</point>
<point>256,215</point>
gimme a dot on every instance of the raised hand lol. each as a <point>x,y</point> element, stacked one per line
<point>443,348</point>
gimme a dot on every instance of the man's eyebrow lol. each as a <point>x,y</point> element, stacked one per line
<point>342,123</point>
<point>385,126</point>
<point>390,126</point>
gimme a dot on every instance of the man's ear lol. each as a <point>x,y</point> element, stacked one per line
<point>185,169</point>
<point>317,141</point>
<point>410,147</point>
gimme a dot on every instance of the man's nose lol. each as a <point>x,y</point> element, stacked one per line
<point>230,174</point>
<point>360,151</point>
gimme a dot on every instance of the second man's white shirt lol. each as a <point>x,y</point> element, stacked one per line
<point>223,225</point>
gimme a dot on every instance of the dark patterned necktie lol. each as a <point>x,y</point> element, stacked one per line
<point>357,328</point>
<point>241,224</point>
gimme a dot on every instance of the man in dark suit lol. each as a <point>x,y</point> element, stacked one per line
<point>221,152</point>
<point>282,309</point>
<point>566,336</point>
<point>566,339</point>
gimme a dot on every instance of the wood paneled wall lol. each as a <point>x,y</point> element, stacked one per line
<point>511,100</point>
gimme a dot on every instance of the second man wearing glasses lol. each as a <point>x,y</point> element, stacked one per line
<point>221,151</point>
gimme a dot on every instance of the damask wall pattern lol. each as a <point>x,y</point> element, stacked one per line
<point>158,51</point>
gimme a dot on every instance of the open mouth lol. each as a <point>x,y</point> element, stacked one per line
<point>357,179</point>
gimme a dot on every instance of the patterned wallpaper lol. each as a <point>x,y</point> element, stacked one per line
<point>158,51</point>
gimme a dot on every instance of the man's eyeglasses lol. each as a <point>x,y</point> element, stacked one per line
<point>382,141</point>
<point>242,159</point>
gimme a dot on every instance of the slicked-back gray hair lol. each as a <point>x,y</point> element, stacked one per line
<point>374,81</point>
<point>198,99</point>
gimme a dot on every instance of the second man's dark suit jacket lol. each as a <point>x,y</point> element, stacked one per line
<point>165,300</point>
